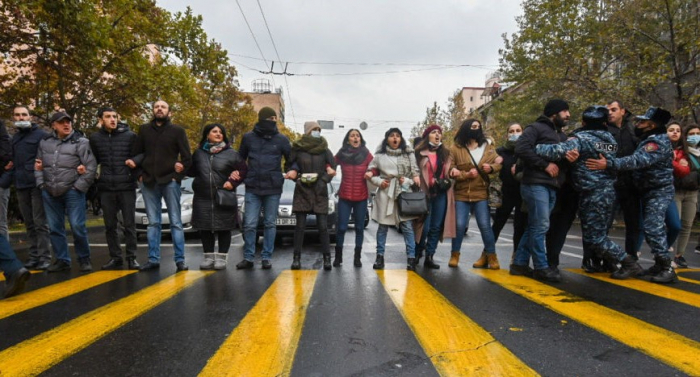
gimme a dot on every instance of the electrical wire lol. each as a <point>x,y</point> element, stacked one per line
<point>379,64</point>
<point>255,39</point>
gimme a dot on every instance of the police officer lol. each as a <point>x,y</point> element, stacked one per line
<point>653,174</point>
<point>595,187</point>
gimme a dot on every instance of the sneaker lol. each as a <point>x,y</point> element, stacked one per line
<point>266,265</point>
<point>181,266</point>
<point>518,270</point>
<point>681,262</point>
<point>85,266</point>
<point>547,274</point>
<point>59,265</point>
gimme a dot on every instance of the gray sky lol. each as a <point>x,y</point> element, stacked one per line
<point>425,34</point>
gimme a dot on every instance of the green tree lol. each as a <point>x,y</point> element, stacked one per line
<point>433,115</point>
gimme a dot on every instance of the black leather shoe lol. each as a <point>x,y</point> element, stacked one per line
<point>244,265</point>
<point>430,263</point>
<point>549,274</point>
<point>132,264</point>
<point>31,264</point>
<point>85,266</point>
<point>59,265</point>
<point>379,263</point>
<point>411,264</point>
<point>43,265</point>
<point>16,281</point>
<point>266,265</point>
<point>113,264</point>
<point>518,270</point>
<point>150,266</point>
<point>181,266</point>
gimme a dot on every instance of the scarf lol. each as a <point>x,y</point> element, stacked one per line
<point>310,144</point>
<point>351,155</point>
<point>266,128</point>
<point>509,145</point>
<point>694,151</point>
<point>213,148</point>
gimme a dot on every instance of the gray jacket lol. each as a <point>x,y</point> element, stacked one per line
<point>61,159</point>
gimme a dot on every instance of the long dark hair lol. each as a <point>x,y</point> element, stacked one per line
<point>207,129</point>
<point>462,137</point>
<point>442,152</point>
<point>347,137</point>
<point>385,143</point>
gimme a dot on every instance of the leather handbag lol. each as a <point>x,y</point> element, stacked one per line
<point>226,198</point>
<point>412,204</point>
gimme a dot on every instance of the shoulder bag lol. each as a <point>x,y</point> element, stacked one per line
<point>495,186</point>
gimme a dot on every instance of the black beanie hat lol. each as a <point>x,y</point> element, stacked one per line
<point>266,112</point>
<point>554,106</point>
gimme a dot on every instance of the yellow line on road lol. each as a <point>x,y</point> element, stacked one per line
<point>266,340</point>
<point>661,344</point>
<point>679,271</point>
<point>659,290</point>
<point>43,296</point>
<point>2,276</point>
<point>456,345</point>
<point>45,350</point>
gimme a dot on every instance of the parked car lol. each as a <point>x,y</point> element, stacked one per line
<point>286,220</point>
<point>185,206</point>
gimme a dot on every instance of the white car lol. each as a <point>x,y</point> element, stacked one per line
<point>185,206</point>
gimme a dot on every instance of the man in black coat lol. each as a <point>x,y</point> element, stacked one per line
<point>163,153</point>
<point>112,145</point>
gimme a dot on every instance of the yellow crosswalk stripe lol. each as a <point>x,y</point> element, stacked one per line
<point>680,271</point>
<point>43,296</point>
<point>45,350</point>
<point>659,290</point>
<point>2,276</point>
<point>266,340</point>
<point>666,346</point>
<point>456,345</point>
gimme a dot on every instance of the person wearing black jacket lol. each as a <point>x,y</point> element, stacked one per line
<point>5,158</point>
<point>116,184</point>
<point>25,143</point>
<point>538,187</point>
<point>163,153</point>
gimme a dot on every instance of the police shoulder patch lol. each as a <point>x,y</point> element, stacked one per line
<point>651,147</point>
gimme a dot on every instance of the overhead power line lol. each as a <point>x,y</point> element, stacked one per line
<point>255,39</point>
<point>285,73</point>
<point>378,63</point>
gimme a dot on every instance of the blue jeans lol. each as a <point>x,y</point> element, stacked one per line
<point>9,264</point>
<point>408,238</point>
<point>72,203</point>
<point>540,200</point>
<point>270,205</point>
<point>483,220</point>
<point>433,225</point>
<point>359,211</point>
<point>152,196</point>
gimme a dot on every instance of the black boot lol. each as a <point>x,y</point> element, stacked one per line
<point>429,263</point>
<point>655,269</point>
<point>379,263</point>
<point>358,256</point>
<point>327,261</point>
<point>411,264</point>
<point>667,273</point>
<point>338,256</point>
<point>630,268</point>
<point>296,262</point>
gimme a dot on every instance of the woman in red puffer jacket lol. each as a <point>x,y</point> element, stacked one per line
<point>353,159</point>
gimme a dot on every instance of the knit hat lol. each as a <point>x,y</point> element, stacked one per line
<point>430,129</point>
<point>554,106</point>
<point>308,126</point>
<point>266,112</point>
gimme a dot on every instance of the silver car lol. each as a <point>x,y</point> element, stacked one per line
<point>185,206</point>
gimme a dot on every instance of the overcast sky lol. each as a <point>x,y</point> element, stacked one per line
<point>389,35</point>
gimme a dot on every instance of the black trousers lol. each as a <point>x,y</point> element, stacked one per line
<point>511,201</point>
<point>209,238</point>
<point>112,203</point>
<point>629,201</point>
<point>560,221</point>
<point>300,229</point>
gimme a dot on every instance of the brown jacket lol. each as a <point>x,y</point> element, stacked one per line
<point>450,224</point>
<point>472,189</point>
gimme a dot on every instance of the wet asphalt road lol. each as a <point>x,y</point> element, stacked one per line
<point>349,321</point>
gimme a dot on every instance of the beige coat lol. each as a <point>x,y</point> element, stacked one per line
<point>385,209</point>
<point>472,189</point>
<point>450,225</point>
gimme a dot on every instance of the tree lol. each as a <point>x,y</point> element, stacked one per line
<point>433,115</point>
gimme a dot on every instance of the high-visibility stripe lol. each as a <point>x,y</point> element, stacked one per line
<point>43,296</point>
<point>265,341</point>
<point>456,345</point>
<point>660,290</point>
<point>666,346</point>
<point>2,276</point>
<point>45,350</point>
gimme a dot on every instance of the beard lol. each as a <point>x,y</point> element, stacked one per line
<point>161,118</point>
<point>559,122</point>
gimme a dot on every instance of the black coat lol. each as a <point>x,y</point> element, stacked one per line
<point>211,171</point>
<point>25,144</point>
<point>542,131</point>
<point>263,151</point>
<point>112,149</point>
<point>157,149</point>
<point>312,198</point>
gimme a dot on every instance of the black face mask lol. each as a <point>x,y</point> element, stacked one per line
<point>475,134</point>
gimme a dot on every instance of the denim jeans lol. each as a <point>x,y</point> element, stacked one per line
<point>483,220</point>
<point>72,203</point>
<point>270,205</point>
<point>540,200</point>
<point>359,212</point>
<point>408,238</point>
<point>4,202</point>
<point>432,225</point>
<point>152,196</point>
<point>9,264</point>
<point>31,205</point>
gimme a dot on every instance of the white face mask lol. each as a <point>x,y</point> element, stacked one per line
<point>315,133</point>
<point>23,124</point>
<point>513,137</point>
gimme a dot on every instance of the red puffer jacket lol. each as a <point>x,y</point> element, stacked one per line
<point>353,186</point>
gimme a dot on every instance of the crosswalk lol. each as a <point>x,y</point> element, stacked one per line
<point>266,339</point>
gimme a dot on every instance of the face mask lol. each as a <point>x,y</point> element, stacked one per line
<point>693,140</point>
<point>639,132</point>
<point>316,134</point>
<point>434,145</point>
<point>513,137</point>
<point>23,124</point>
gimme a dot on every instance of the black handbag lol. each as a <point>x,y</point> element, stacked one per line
<point>412,204</point>
<point>226,198</point>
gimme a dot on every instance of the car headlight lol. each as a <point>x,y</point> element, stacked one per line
<point>331,206</point>
<point>187,204</point>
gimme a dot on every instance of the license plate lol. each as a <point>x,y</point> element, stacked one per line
<point>286,221</point>
<point>144,220</point>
